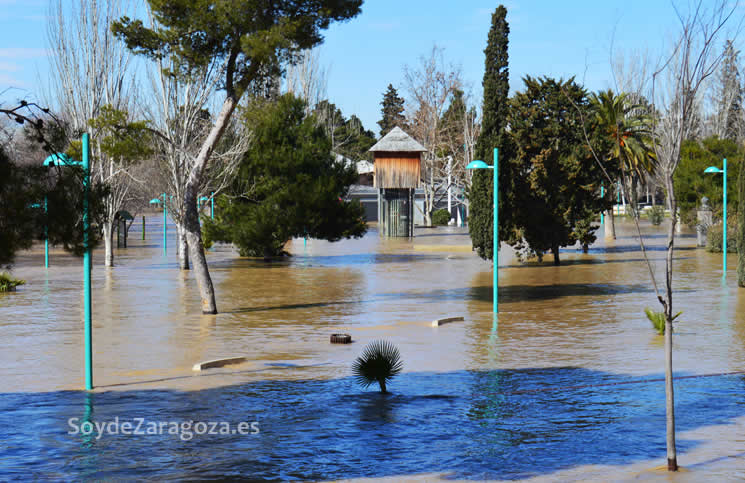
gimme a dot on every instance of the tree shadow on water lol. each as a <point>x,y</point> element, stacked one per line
<point>506,424</point>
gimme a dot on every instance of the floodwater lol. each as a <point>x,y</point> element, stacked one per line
<point>565,385</point>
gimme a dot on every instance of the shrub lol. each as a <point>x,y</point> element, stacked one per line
<point>656,214</point>
<point>8,283</point>
<point>380,362</point>
<point>440,217</point>
<point>714,238</point>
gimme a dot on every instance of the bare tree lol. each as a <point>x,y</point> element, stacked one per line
<point>460,131</point>
<point>430,88</point>
<point>727,96</point>
<point>180,115</point>
<point>307,78</point>
<point>676,86</point>
<point>92,70</point>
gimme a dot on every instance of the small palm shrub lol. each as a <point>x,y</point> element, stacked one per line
<point>8,283</point>
<point>658,319</point>
<point>380,362</point>
<point>440,217</point>
<point>656,214</point>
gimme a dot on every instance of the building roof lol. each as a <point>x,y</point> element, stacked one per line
<point>397,141</point>
<point>363,167</point>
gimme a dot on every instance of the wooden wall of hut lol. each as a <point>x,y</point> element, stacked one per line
<point>397,170</point>
<point>396,212</point>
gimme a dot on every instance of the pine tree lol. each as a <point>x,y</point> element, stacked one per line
<point>392,111</point>
<point>288,185</point>
<point>495,108</point>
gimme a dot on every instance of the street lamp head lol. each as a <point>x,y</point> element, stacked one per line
<point>477,164</point>
<point>713,169</point>
<point>155,201</point>
<point>60,159</point>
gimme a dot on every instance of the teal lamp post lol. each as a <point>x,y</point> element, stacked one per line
<point>715,170</point>
<point>61,159</point>
<point>478,164</point>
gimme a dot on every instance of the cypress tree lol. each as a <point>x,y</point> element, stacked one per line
<point>392,111</point>
<point>493,135</point>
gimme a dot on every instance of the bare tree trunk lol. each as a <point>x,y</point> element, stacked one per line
<point>428,205</point>
<point>672,458</point>
<point>612,224</point>
<point>191,219</point>
<point>183,248</point>
<point>108,241</point>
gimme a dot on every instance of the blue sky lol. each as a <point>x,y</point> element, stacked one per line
<point>364,55</point>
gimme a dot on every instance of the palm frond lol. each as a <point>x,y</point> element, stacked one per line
<point>380,362</point>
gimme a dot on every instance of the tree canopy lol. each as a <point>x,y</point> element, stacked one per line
<point>251,37</point>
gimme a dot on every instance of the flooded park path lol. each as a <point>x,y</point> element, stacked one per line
<point>566,384</point>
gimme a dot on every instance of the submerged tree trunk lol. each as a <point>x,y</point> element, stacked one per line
<point>741,226</point>
<point>108,241</point>
<point>382,386</point>
<point>183,248</point>
<point>555,251</point>
<point>191,216</point>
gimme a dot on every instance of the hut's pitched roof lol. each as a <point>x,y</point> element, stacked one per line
<point>398,141</point>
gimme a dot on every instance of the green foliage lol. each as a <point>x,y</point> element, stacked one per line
<point>656,214</point>
<point>8,283</point>
<point>493,135</point>
<point>22,216</point>
<point>380,362</point>
<point>658,319</point>
<point>440,217</point>
<point>288,185</point>
<point>714,237</point>
<point>392,112</point>
<point>691,184</point>
<point>250,38</point>
<point>119,138</point>
<point>584,230</point>
<point>556,193</point>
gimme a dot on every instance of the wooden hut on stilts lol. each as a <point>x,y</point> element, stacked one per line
<point>397,174</point>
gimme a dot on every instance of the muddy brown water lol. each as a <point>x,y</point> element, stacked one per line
<point>565,384</point>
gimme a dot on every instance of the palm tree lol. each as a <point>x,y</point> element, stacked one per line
<point>626,125</point>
